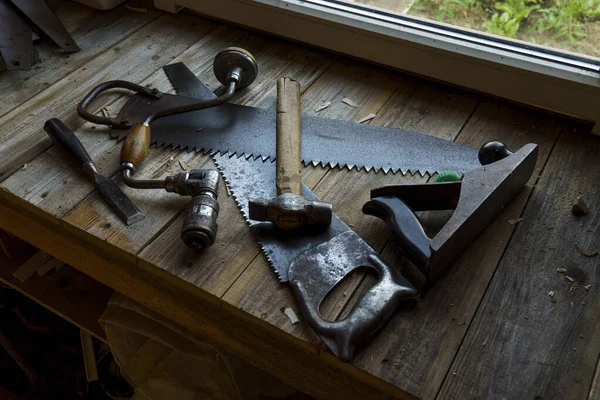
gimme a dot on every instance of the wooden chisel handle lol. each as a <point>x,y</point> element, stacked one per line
<point>289,137</point>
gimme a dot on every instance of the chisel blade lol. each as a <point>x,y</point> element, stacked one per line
<point>116,199</point>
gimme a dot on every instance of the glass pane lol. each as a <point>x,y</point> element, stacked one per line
<point>572,25</point>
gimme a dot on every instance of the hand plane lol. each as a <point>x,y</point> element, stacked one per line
<point>477,199</point>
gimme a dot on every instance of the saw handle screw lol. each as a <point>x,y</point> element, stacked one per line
<point>493,151</point>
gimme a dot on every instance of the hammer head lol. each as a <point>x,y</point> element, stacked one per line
<point>289,211</point>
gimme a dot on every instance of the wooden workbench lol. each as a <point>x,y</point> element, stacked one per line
<point>504,323</point>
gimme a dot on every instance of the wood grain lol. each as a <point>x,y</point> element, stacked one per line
<point>68,293</point>
<point>415,351</point>
<point>93,32</point>
<point>221,324</point>
<point>261,295</point>
<point>536,331</point>
<point>129,59</point>
<point>160,207</point>
<point>419,353</point>
<point>51,182</point>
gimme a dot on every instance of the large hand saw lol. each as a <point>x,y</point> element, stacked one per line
<point>235,129</point>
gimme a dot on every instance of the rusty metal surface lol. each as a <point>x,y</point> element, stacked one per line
<point>249,131</point>
<point>315,264</point>
<point>484,192</point>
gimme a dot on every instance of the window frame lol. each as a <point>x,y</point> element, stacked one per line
<point>560,82</point>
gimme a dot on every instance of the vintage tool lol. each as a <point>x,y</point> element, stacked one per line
<point>15,39</point>
<point>242,130</point>
<point>199,227</point>
<point>314,264</point>
<point>477,199</point>
<point>17,18</point>
<point>110,192</point>
<point>235,68</point>
<point>289,210</point>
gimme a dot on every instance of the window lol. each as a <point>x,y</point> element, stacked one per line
<point>388,33</point>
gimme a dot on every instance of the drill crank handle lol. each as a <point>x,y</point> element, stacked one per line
<point>64,138</point>
<point>289,137</point>
<point>368,315</point>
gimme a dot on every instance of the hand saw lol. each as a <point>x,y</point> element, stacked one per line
<point>18,19</point>
<point>313,265</point>
<point>242,130</point>
<point>15,39</point>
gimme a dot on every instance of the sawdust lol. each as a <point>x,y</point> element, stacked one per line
<point>323,106</point>
<point>350,102</point>
<point>367,118</point>
<point>291,315</point>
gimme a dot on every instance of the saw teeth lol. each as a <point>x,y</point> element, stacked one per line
<point>270,261</point>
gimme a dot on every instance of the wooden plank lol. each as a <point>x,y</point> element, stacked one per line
<point>93,31</point>
<point>22,137</point>
<point>235,247</point>
<point>222,325</point>
<point>536,332</point>
<point>91,215</point>
<point>419,353</point>
<point>52,183</point>
<point>31,266</point>
<point>416,104</point>
<point>68,293</point>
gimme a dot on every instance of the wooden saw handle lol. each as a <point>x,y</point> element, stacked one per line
<point>289,137</point>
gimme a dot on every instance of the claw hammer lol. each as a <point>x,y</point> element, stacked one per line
<point>289,210</point>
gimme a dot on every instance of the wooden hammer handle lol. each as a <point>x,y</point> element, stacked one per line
<point>289,137</point>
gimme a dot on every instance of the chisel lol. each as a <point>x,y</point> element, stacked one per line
<point>110,192</point>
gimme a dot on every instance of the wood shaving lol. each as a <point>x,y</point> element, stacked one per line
<point>367,118</point>
<point>291,315</point>
<point>513,222</point>
<point>323,106</point>
<point>351,103</point>
<point>561,271</point>
<point>183,165</point>
<point>138,9</point>
<point>586,253</point>
<point>107,112</point>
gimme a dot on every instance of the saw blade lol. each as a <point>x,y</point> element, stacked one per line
<point>15,39</point>
<point>186,83</point>
<point>42,16</point>
<point>249,131</point>
<point>250,179</point>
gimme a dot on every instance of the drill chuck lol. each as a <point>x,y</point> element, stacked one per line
<point>199,229</point>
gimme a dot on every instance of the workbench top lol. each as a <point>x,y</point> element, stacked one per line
<point>503,323</point>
